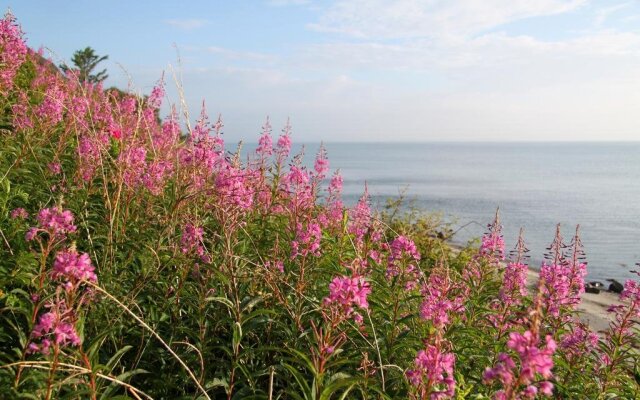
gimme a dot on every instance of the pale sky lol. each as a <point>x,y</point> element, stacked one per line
<point>372,70</point>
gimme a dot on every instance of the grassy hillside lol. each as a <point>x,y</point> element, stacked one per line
<point>141,259</point>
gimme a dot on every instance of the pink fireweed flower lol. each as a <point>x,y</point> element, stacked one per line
<point>577,265</point>
<point>54,327</point>
<point>128,105</point>
<point>283,147</point>
<point>563,277</point>
<point>203,127</point>
<point>514,283</point>
<point>561,287</point>
<point>402,262</point>
<point>73,267</point>
<point>631,294</point>
<point>533,360</point>
<point>333,212</point>
<point>513,289</point>
<point>55,168</point>
<point>346,293</point>
<point>297,186</point>
<point>155,177</point>
<point>265,142</point>
<point>20,110</point>
<point>78,109</point>
<point>14,50</point>
<point>89,154</point>
<point>191,240</point>
<point>206,155</point>
<point>19,213</point>
<point>580,342</point>
<point>433,374</point>
<point>493,242</point>
<point>360,218</point>
<point>307,240</point>
<point>116,133</point>
<point>157,94</point>
<point>442,298</point>
<point>625,315</point>
<point>233,187</point>
<point>321,164</point>
<point>335,185</point>
<point>133,163</point>
<point>50,111</point>
<point>54,221</point>
<point>205,152</point>
<point>296,177</point>
<point>169,133</point>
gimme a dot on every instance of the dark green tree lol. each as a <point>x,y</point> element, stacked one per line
<point>85,61</point>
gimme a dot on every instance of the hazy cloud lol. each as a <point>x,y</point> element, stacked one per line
<point>406,19</point>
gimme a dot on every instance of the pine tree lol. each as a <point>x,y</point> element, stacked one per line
<point>85,61</point>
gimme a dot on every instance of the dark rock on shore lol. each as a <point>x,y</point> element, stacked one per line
<point>591,289</point>
<point>615,286</point>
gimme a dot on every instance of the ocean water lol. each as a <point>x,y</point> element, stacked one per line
<point>536,186</point>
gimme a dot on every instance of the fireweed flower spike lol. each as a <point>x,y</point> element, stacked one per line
<point>73,267</point>
<point>403,262</point>
<point>360,218</point>
<point>433,374</point>
<point>442,298</point>
<point>54,328</point>
<point>283,147</point>
<point>265,142</point>
<point>579,343</point>
<point>14,50</point>
<point>564,278</point>
<point>514,283</point>
<point>321,165</point>
<point>347,293</point>
<point>620,339</point>
<point>157,94</point>
<point>307,240</point>
<point>513,289</point>
<point>518,375</point>
<point>493,242</point>
<point>191,240</point>
<point>57,223</point>
<point>19,213</point>
<point>57,327</point>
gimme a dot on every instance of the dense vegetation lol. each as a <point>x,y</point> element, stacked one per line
<point>140,259</point>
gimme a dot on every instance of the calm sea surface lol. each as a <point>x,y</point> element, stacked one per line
<point>536,186</point>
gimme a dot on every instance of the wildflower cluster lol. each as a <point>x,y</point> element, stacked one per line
<point>55,328</point>
<point>348,293</point>
<point>532,360</point>
<point>433,374</point>
<point>13,48</point>
<point>57,223</point>
<point>402,262</point>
